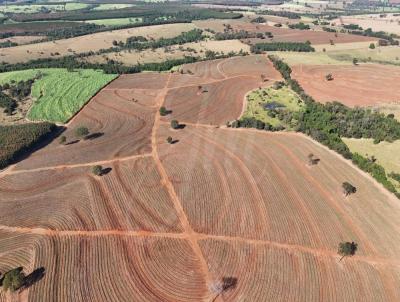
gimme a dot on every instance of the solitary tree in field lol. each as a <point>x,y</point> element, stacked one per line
<point>13,279</point>
<point>97,170</point>
<point>348,188</point>
<point>63,140</point>
<point>372,46</point>
<point>163,111</point>
<point>311,160</point>
<point>169,140</point>
<point>81,131</point>
<point>347,249</point>
<point>355,61</point>
<point>329,77</point>
<point>174,124</point>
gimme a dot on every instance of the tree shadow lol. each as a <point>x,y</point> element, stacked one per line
<point>105,171</point>
<point>72,142</point>
<point>33,277</point>
<point>181,126</point>
<point>175,141</point>
<point>94,135</point>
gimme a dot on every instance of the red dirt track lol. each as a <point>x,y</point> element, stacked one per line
<point>362,85</point>
<point>168,221</point>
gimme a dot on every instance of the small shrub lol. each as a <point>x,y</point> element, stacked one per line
<point>169,140</point>
<point>13,279</point>
<point>97,170</point>
<point>174,124</point>
<point>63,140</point>
<point>348,188</point>
<point>81,131</point>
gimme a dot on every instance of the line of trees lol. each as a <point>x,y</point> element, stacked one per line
<point>377,34</point>
<point>282,46</point>
<point>241,34</point>
<point>300,26</point>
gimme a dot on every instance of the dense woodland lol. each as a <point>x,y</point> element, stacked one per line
<point>16,140</point>
<point>282,46</point>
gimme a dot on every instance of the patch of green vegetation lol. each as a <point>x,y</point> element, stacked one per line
<point>59,93</point>
<point>107,6</point>
<point>19,139</point>
<point>116,22</point>
<point>266,104</point>
<point>36,8</point>
<point>381,55</point>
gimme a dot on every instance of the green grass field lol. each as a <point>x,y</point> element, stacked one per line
<point>257,99</point>
<point>386,154</point>
<point>59,94</point>
<point>108,6</point>
<point>116,22</point>
<point>34,8</point>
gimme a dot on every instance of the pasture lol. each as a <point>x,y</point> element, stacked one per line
<point>116,22</point>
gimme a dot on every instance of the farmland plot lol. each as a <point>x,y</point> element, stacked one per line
<point>167,221</point>
<point>363,85</point>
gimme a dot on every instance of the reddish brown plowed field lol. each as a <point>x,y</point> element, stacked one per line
<point>256,186</point>
<point>222,102</point>
<point>219,99</point>
<point>168,221</point>
<point>293,35</point>
<point>266,273</point>
<point>124,129</point>
<point>140,81</point>
<point>109,268</point>
<point>120,200</point>
<point>363,85</point>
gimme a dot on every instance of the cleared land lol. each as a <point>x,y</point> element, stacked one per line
<point>284,34</point>
<point>58,94</point>
<point>389,23</point>
<point>91,42</point>
<point>363,85</point>
<point>217,102</point>
<point>168,221</point>
<point>172,52</point>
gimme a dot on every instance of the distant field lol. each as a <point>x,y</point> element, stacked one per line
<point>173,52</point>
<point>386,154</point>
<point>34,8</point>
<point>59,93</point>
<point>108,6</point>
<point>307,58</point>
<point>362,85</point>
<point>389,24</point>
<point>116,22</point>
<point>262,97</point>
<point>91,42</point>
<point>384,55</point>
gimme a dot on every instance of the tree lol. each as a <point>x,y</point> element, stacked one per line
<point>347,249</point>
<point>174,124</point>
<point>372,46</point>
<point>169,140</point>
<point>81,131</point>
<point>311,160</point>
<point>355,61</point>
<point>62,140</point>
<point>97,170</point>
<point>329,77</point>
<point>163,111</point>
<point>348,188</point>
<point>13,279</point>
